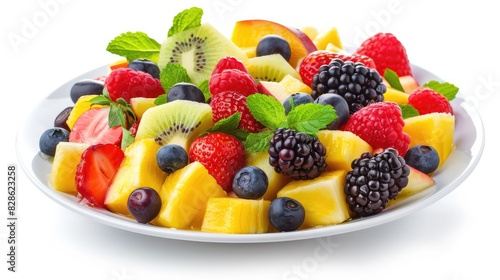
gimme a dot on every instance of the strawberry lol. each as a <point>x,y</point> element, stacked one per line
<point>223,155</point>
<point>98,165</point>
<point>314,60</point>
<point>127,83</point>
<point>229,62</point>
<point>387,52</point>
<point>227,103</point>
<point>426,100</point>
<point>234,80</point>
<point>380,124</point>
<point>92,128</point>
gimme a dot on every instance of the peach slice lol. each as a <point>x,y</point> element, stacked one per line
<point>247,33</point>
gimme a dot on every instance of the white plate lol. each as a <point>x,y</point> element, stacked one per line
<point>469,140</point>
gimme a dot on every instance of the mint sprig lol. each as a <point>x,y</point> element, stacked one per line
<point>446,89</point>
<point>408,111</point>
<point>307,118</point>
<point>187,19</point>
<point>170,75</point>
<point>230,125</point>
<point>393,79</point>
<point>135,45</point>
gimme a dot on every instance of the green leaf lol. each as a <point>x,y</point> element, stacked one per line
<point>127,138</point>
<point>311,117</point>
<point>100,100</point>
<point>446,89</point>
<point>203,86</point>
<point>116,116</point>
<point>187,19</point>
<point>393,79</point>
<point>161,99</point>
<point>408,111</point>
<point>267,110</point>
<point>258,142</point>
<point>172,74</point>
<point>227,124</point>
<point>134,45</point>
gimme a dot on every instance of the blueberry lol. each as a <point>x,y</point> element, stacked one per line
<point>50,138</point>
<point>171,157</point>
<point>62,117</point>
<point>144,204</point>
<point>339,104</point>
<point>274,44</point>
<point>250,182</point>
<point>423,158</point>
<point>85,87</point>
<point>145,65</point>
<point>299,98</point>
<point>185,91</point>
<point>286,214</point>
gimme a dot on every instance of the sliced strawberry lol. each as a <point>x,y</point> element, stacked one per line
<point>94,174</point>
<point>92,128</point>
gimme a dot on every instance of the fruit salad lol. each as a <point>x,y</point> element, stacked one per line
<point>274,129</point>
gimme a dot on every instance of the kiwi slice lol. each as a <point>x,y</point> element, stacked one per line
<point>198,50</point>
<point>271,68</point>
<point>177,122</point>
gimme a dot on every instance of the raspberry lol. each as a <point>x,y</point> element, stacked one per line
<point>232,80</point>
<point>313,61</point>
<point>127,83</point>
<point>229,62</point>
<point>387,52</point>
<point>227,103</point>
<point>296,154</point>
<point>426,101</point>
<point>380,125</point>
<point>374,180</point>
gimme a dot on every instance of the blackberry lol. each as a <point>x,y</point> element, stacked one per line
<point>356,83</point>
<point>374,180</point>
<point>296,154</point>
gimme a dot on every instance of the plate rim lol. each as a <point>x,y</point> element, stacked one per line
<point>124,223</point>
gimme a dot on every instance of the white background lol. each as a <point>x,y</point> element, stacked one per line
<point>453,239</point>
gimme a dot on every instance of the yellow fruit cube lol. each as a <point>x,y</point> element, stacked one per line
<point>64,165</point>
<point>329,36</point>
<point>138,169</point>
<point>185,194</point>
<point>342,147</point>
<point>310,31</point>
<point>276,180</point>
<point>323,199</point>
<point>141,104</point>
<point>293,85</point>
<point>236,215</point>
<point>397,96</point>
<point>435,130</point>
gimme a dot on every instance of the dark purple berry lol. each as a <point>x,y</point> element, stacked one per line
<point>144,204</point>
<point>50,138</point>
<point>60,120</point>
<point>171,157</point>
<point>145,65</point>
<point>298,98</point>
<point>185,91</point>
<point>274,44</point>
<point>286,214</point>
<point>86,87</point>
<point>250,182</point>
<point>423,158</point>
<point>341,109</point>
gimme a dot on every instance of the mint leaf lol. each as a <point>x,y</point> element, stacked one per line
<point>116,116</point>
<point>134,45</point>
<point>311,117</point>
<point>185,20</point>
<point>161,99</point>
<point>100,100</point>
<point>228,124</point>
<point>393,79</point>
<point>408,111</point>
<point>267,110</point>
<point>203,86</point>
<point>172,74</point>
<point>127,138</point>
<point>446,89</point>
<point>258,142</point>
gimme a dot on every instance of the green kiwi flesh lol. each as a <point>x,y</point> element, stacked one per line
<point>198,50</point>
<point>271,68</point>
<point>177,122</point>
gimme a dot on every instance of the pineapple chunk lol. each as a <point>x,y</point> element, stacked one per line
<point>323,198</point>
<point>395,95</point>
<point>236,215</point>
<point>184,195</point>
<point>63,171</point>
<point>293,85</point>
<point>138,169</point>
<point>276,180</point>
<point>342,147</point>
<point>329,36</point>
<point>141,104</point>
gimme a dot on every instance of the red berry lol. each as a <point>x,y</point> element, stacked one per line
<point>387,52</point>
<point>314,60</point>
<point>233,80</point>
<point>94,174</point>
<point>380,124</point>
<point>223,155</point>
<point>229,62</point>
<point>92,128</point>
<point>227,103</point>
<point>426,101</point>
<point>127,83</point>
